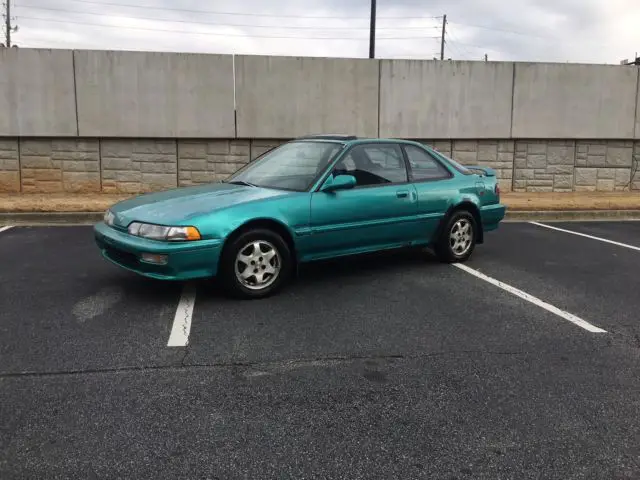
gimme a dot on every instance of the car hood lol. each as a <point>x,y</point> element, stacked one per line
<point>178,206</point>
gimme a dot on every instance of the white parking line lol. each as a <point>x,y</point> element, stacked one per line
<point>182,321</point>
<point>4,229</point>
<point>530,298</point>
<point>587,236</point>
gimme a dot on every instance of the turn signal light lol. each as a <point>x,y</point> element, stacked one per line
<point>192,233</point>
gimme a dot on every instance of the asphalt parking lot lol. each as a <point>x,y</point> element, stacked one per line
<point>522,364</point>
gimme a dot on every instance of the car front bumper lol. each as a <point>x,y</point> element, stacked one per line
<point>185,260</point>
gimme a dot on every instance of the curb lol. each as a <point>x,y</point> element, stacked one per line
<point>89,218</point>
<point>49,218</point>
<point>572,215</point>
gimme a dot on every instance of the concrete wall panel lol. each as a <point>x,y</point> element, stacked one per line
<point>574,101</point>
<point>637,133</point>
<point>432,99</point>
<point>149,94</point>
<point>37,93</point>
<point>280,97</point>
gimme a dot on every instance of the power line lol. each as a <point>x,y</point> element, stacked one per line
<point>66,44</point>
<point>190,32</point>
<point>479,47</point>
<point>251,14</point>
<point>454,42</point>
<point>527,34</point>
<point>501,30</point>
<point>287,27</point>
<point>456,50</point>
<point>433,55</point>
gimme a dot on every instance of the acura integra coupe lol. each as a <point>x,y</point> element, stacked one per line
<point>312,198</point>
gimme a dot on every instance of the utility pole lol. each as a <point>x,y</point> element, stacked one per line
<point>7,24</point>
<point>635,61</point>
<point>372,31</point>
<point>444,31</point>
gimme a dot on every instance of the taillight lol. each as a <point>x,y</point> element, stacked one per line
<point>497,189</point>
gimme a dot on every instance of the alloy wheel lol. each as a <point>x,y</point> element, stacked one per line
<point>460,237</point>
<point>257,265</point>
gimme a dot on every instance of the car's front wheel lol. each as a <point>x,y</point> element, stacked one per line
<point>255,264</point>
<point>458,238</point>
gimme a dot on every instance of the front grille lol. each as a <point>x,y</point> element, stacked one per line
<point>123,258</point>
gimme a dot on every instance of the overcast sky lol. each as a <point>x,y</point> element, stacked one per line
<point>592,31</point>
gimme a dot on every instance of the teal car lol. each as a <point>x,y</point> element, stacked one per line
<point>313,198</point>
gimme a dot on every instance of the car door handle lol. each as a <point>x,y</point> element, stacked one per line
<point>402,193</point>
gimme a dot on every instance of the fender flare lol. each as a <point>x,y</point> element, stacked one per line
<point>463,205</point>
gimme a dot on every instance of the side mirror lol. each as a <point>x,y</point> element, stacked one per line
<point>340,182</point>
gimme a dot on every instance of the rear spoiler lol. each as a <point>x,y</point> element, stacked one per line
<point>482,171</point>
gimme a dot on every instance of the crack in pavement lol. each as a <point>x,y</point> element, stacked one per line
<point>279,363</point>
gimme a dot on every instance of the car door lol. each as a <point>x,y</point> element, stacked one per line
<point>435,188</point>
<point>377,213</point>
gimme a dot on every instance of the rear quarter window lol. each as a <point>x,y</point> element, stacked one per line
<point>459,167</point>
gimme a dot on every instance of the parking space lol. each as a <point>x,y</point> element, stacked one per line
<point>627,232</point>
<point>66,309</point>
<point>597,281</point>
<point>389,365</point>
<point>403,305</point>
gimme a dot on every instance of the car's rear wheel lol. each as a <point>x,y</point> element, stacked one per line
<point>458,238</point>
<point>255,264</point>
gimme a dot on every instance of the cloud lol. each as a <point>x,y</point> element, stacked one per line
<point>527,30</point>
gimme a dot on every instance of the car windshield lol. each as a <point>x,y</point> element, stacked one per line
<point>292,166</point>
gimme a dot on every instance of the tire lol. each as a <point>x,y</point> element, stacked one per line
<point>232,267</point>
<point>453,246</point>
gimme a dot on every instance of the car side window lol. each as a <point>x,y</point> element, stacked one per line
<point>423,165</point>
<point>374,164</point>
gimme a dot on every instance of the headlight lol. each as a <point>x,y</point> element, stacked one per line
<point>159,232</point>
<point>109,217</point>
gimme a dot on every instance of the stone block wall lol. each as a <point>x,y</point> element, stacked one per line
<point>604,166</point>
<point>444,146</point>
<point>54,165</point>
<point>635,168</point>
<point>135,166</point>
<point>496,154</point>
<point>567,165</point>
<point>9,166</point>
<point>78,165</point>
<point>258,147</point>
<point>544,166</point>
<point>210,161</point>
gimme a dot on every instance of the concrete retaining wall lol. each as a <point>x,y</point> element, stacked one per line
<point>90,121</point>
<point>421,99</point>
<point>637,130</point>
<point>134,94</point>
<point>141,165</point>
<point>290,97</point>
<point>115,94</point>
<point>574,101</point>
<point>37,96</point>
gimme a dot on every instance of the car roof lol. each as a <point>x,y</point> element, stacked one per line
<point>329,136</point>
<point>354,140</point>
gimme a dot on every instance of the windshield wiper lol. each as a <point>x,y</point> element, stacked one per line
<point>242,182</point>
